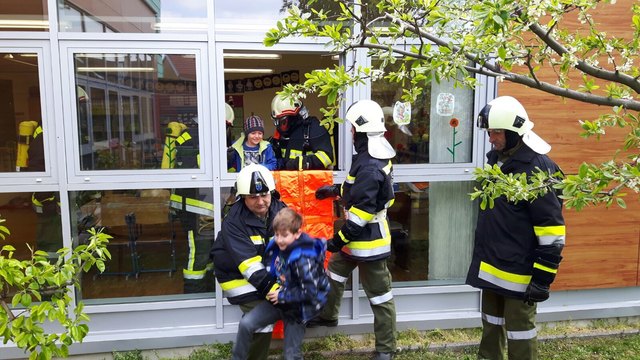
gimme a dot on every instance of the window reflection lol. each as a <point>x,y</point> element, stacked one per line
<point>22,138</point>
<point>160,246</point>
<point>137,111</point>
<point>24,16</point>
<point>133,16</point>
<point>259,16</point>
<point>34,221</point>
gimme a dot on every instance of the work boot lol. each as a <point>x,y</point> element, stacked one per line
<point>383,356</point>
<point>318,321</point>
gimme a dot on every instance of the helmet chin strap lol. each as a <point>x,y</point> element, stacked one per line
<point>512,138</point>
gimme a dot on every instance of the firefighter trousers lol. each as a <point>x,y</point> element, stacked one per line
<point>511,320</point>
<point>376,281</point>
<point>198,270</point>
<point>259,348</point>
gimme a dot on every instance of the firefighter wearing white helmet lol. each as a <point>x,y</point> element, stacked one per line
<point>364,240</point>
<point>366,116</point>
<point>506,113</point>
<point>300,142</point>
<point>518,245</point>
<point>239,247</point>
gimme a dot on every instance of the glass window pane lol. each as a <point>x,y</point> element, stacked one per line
<point>160,245</point>
<point>441,127</point>
<point>252,80</point>
<point>35,224</point>
<point>138,106</point>
<point>28,15</point>
<point>34,220</point>
<point>259,16</point>
<point>432,226</point>
<point>126,16</point>
<point>22,141</point>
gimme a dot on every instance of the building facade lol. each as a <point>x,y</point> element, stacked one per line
<point>108,82</point>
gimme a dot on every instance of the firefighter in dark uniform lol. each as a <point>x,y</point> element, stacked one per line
<point>194,209</point>
<point>517,244</point>
<point>365,240</point>
<point>300,142</point>
<point>239,247</point>
<point>45,204</point>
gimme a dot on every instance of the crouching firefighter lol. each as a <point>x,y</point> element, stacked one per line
<point>193,207</point>
<point>240,246</point>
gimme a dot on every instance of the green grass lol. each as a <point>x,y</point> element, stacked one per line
<point>559,341</point>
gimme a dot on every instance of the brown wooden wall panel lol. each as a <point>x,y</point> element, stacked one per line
<point>602,244</point>
<point>601,249</point>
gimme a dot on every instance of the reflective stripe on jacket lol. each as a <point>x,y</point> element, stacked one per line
<point>368,193</point>
<point>318,154</point>
<point>238,253</point>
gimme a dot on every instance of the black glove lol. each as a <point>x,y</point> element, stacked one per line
<point>275,145</point>
<point>544,272</point>
<point>536,293</point>
<point>326,191</point>
<point>292,164</point>
<point>334,245</point>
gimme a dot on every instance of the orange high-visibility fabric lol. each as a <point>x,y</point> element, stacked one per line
<point>298,190</point>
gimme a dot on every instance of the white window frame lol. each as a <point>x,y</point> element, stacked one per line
<point>227,178</point>
<point>45,80</point>
<point>194,176</point>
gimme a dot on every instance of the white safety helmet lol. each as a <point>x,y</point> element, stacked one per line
<point>254,179</point>
<point>229,115</point>
<point>366,116</point>
<point>506,113</point>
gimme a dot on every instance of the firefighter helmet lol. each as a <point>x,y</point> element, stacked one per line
<point>286,112</point>
<point>366,116</point>
<point>228,114</point>
<point>282,106</point>
<point>254,179</point>
<point>506,113</point>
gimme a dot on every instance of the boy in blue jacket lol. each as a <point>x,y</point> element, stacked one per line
<point>297,261</point>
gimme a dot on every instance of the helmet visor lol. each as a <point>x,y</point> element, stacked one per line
<point>483,117</point>
<point>258,184</point>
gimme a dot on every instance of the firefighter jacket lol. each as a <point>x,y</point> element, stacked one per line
<point>367,193</point>
<point>187,149</point>
<point>307,147</point>
<point>267,156</point>
<point>45,203</point>
<point>513,241</point>
<point>238,253</point>
<point>300,270</point>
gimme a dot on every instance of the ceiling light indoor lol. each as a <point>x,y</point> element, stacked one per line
<point>248,71</point>
<point>114,69</point>
<point>259,56</point>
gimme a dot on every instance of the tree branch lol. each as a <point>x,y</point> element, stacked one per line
<point>494,71</point>
<point>599,73</point>
<point>521,79</point>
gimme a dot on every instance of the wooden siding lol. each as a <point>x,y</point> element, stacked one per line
<point>602,244</point>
